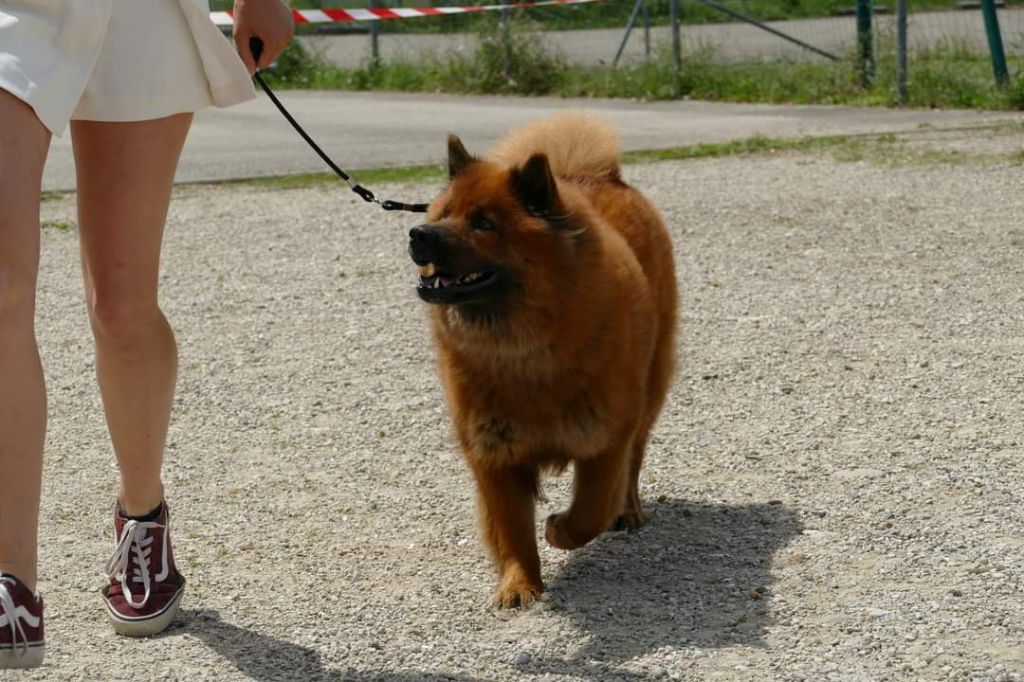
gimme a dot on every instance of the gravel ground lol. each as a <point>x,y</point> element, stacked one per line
<point>836,482</point>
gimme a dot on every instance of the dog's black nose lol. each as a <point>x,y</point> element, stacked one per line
<point>424,244</point>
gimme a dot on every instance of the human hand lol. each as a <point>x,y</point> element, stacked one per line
<point>270,21</point>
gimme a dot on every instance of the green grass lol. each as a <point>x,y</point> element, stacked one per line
<point>611,14</point>
<point>437,173</point>
<point>947,77</point>
<point>368,177</point>
<point>745,147</point>
<point>887,150</point>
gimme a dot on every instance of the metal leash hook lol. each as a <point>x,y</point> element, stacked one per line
<point>256,48</point>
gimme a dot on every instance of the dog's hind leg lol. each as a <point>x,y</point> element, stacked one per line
<point>660,378</point>
<point>633,515</point>
<point>506,511</point>
<point>598,496</point>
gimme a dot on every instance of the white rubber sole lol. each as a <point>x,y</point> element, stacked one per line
<point>31,658</point>
<point>145,627</point>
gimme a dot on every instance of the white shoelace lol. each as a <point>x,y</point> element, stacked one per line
<point>12,617</point>
<point>134,547</point>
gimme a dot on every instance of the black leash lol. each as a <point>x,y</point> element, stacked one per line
<point>256,47</point>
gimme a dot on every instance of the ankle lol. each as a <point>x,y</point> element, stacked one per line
<point>25,577</point>
<point>141,505</point>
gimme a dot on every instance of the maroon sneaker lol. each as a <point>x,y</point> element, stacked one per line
<point>21,625</point>
<point>145,588</point>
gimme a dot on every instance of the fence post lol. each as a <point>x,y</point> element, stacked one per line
<point>506,42</point>
<point>865,42</point>
<point>995,42</point>
<point>677,48</point>
<point>647,31</point>
<point>374,41</point>
<point>901,50</point>
<point>629,29</point>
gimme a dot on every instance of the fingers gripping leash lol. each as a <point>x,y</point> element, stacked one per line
<point>256,47</point>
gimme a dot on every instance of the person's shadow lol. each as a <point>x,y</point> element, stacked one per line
<point>268,659</point>
<point>695,576</point>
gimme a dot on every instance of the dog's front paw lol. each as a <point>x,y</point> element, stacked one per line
<point>558,534</point>
<point>516,591</point>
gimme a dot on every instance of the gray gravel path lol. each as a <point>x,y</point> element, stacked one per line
<point>836,483</point>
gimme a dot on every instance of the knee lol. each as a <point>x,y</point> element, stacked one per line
<point>123,322</point>
<point>17,300</point>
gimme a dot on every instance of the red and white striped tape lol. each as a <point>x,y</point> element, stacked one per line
<point>323,16</point>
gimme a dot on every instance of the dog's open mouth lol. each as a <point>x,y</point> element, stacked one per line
<point>436,286</point>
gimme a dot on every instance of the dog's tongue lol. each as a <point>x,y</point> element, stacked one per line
<point>446,281</point>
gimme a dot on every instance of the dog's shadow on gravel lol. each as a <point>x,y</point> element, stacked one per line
<point>267,659</point>
<point>696,576</point>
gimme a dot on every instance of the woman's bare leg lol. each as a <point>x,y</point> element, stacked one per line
<point>125,174</point>
<point>24,142</point>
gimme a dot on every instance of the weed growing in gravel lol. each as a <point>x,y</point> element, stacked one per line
<point>62,225</point>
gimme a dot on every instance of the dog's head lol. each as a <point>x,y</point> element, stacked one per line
<point>496,239</point>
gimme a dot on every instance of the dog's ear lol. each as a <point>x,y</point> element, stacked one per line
<point>458,157</point>
<point>535,186</point>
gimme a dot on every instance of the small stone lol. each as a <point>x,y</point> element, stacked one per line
<point>956,593</point>
<point>523,658</point>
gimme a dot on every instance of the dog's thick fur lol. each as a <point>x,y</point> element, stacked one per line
<point>567,353</point>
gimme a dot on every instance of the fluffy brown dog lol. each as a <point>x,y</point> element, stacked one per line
<point>554,315</point>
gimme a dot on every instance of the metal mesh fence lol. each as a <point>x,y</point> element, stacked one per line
<point>717,31</point>
<point>953,26</point>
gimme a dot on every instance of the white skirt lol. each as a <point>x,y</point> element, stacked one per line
<point>116,60</point>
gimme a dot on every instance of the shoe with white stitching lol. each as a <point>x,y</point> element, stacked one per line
<point>21,625</point>
<point>145,588</point>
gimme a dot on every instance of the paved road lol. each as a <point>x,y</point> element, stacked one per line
<point>730,41</point>
<point>369,130</point>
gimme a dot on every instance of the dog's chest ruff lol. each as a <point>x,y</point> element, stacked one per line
<point>517,433</point>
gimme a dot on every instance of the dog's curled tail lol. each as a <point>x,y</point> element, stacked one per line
<point>578,145</point>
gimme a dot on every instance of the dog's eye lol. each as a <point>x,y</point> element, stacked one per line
<point>480,222</point>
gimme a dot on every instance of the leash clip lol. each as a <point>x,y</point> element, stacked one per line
<point>366,194</point>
